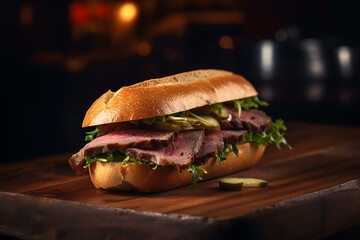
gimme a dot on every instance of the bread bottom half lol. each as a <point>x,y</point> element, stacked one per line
<point>137,177</point>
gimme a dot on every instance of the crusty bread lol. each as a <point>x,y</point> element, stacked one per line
<point>163,96</point>
<point>168,95</point>
<point>135,177</point>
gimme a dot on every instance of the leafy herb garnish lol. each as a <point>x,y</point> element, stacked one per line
<point>235,149</point>
<point>274,135</point>
<point>117,156</point>
<point>228,149</point>
<point>91,135</point>
<point>195,175</point>
<point>259,102</point>
<point>220,157</point>
<point>89,161</point>
<point>252,102</point>
<point>247,103</point>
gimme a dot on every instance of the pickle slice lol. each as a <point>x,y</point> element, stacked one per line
<point>182,124</point>
<point>230,184</point>
<point>254,182</point>
<point>209,123</point>
<point>212,111</point>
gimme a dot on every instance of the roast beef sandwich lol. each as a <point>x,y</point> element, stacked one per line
<point>174,131</point>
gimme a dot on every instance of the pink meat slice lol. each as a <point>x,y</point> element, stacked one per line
<point>118,140</point>
<point>215,141</point>
<point>253,120</point>
<point>179,154</point>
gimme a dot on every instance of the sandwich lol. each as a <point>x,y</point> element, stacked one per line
<point>174,131</point>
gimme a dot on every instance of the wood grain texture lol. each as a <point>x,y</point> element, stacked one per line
<point>308,185</point>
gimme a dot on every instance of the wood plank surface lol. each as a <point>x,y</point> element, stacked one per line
<point>323,157</point>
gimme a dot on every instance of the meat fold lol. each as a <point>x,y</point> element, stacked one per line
<point>117,140</point>
<point>179,153</point>
<point>253,120</point>
<point>215,141</point>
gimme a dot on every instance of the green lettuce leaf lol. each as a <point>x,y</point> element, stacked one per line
<point>252,102</point>
<point>228,149</point>
<point>220,157</point>
<point>247,103</point>
<point>235,149</point>
<point>91,135</point>
<point>274,135</point>
<point>195,175</point>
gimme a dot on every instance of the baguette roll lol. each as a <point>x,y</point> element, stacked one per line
<point>113,111</point>
<point>135,177</point>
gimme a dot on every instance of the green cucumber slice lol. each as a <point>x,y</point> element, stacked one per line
<point>230,184</point>
<point>254,182</point>
<point>233,183</point>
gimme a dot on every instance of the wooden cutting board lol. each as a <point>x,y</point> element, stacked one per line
<point>313,191</point>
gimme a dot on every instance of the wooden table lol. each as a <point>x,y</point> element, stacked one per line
<point>314,191</point>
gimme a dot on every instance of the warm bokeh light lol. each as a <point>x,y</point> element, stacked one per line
<point>266,57</point>
<point>75,64</point>
<point>315,58</point>
<point>26,15</point>
<point>78,13</point>
<point>144,49</point>
<point>344,55</point>
<point>226,42</point>
<point>102,11</point>
<point>127,12</point>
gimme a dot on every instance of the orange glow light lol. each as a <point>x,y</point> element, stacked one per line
<point>102,11</point>
<point>144,49</point>
<point>127,12</point>
<point>78,13</point>
<point>226,42</point>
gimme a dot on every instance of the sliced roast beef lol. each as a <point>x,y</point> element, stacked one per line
<point>227,125</point>
<point>215,141</point>
<point>117,140</point>
<point>253,120</point>
<point>233,112</point>
<point>116,127</point>
<point>179,153</point>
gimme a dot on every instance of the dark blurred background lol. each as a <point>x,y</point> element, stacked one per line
<point>57,57</point>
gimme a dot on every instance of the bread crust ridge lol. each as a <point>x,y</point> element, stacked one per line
<point>168,95</point>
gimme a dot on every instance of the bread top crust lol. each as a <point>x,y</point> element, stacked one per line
<point>168,95</point>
